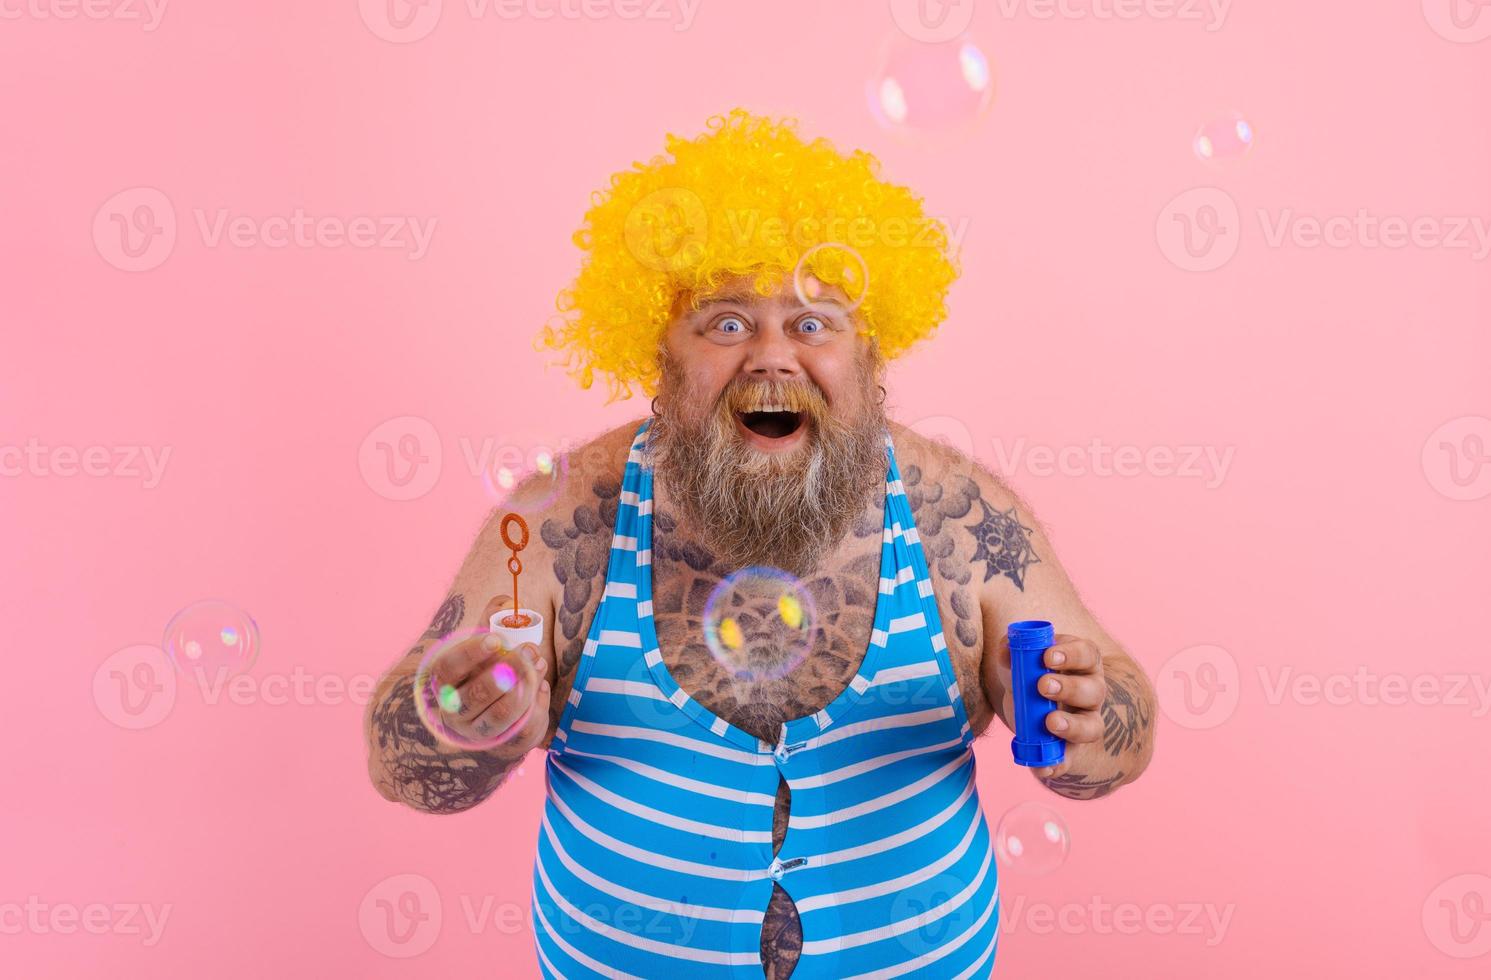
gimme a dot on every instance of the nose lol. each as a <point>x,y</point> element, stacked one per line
<point>770,357</point>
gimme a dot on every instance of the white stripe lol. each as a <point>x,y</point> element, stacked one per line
<point>644,609</point>
<point>905,719</point>
<point>876,762</point>
<point>879,802</point>
<point>888,585</point>
<point>978,964</point>
<point>623,542</point>
<point>590,647</point>
<point>944,950</point>
<point>859,684</point>
<point>652,815</point>
<point>882,844</point>
<point>574,953</point>
<point>622,638</point>
<point>653,656</point>
<point>632,939</point>
<point>644,557</point>
<point>897,487</point>
<point>918,920</point>
<point>719,729</point>
<point>939,642</point>
<point>896,884</point>
<point>633,897</point>
<point>668,738</point>
<point>924,587</point>
<point>905,624</point>
<point>631,498</point>
<point>646,857</point>
<point>912,536</point>
<point>879,638</point>
<point>633,689</point>
<point>621,590</point>
<point>905,672</point>
<point>728,793</point>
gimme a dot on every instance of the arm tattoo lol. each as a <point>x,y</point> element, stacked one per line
<point>447,617</point>
<point>1075,787</point>
<point>1126,718</point>
<point>1003,544</point>
<point>418,769</point>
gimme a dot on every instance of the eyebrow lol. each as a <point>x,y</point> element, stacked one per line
<point>747,296</point>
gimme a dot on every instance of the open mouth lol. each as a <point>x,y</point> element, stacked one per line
<point>771,424</point>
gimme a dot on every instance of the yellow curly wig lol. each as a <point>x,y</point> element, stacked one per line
<point>748,198</point>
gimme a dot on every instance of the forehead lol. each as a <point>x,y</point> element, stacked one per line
<point>741,291</point>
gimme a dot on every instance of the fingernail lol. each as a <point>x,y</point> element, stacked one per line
<point>1056,658</point>
<point>1053,686</point>
<point>544,687</point>
<point>489,642</point>
<point>542,666</point>
<point>1058,722</point>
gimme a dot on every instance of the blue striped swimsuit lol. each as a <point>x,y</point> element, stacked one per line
<point>655,852</point>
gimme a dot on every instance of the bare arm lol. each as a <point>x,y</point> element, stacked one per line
<point>1106,706</point>
<point>405,761</point>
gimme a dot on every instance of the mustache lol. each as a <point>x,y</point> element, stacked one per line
<point>795,396</point>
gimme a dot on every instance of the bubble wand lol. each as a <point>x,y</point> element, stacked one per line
<point>521,625</point>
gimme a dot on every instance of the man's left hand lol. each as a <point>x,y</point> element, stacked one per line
<point>1076,684</point>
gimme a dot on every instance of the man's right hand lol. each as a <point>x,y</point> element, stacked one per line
<point>484,709</point>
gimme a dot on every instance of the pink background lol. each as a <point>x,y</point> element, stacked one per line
<point>1337,833</point>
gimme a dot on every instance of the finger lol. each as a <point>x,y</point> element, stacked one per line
<point>1075,726</point>
<point>506,703</point>
<point>1051,772</point>
<point>1074,690</point>
<point>1072,653</point>
<point>455,665</point>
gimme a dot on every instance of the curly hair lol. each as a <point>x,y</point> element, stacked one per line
<point>749,198</point>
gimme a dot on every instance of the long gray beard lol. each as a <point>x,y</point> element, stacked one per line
<point>754,508</point>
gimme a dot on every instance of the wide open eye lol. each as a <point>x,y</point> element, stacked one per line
<point>812,325</point>
<point>730,325</point>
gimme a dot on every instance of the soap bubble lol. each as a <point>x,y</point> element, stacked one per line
<point>212,636</point>
<point>1229,137</point>
<point>759,623</point>
<point>526,482</point>
<point>924,88</point>
<point>1032,839</point>
<point>438,695</point>
<point>846,270</point>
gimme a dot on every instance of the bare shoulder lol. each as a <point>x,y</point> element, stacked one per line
<point>576,533</point>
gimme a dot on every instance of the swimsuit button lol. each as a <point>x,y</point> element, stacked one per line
<point>775,871</point>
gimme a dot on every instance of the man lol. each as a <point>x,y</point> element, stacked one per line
<point>715,815</point>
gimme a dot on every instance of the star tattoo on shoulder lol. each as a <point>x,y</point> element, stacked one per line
<point>1003,544</point>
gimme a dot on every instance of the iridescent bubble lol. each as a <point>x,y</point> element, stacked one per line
<point>921,88</point>
<point>212,636</point>
<point>500,685</point>
<point>832,277</point>
<point>760,623</point>
<point>1229,137</point>
<point>1032,838</point>
<point>525,481</point>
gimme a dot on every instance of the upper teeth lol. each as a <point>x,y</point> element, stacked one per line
<point>771,408</point>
